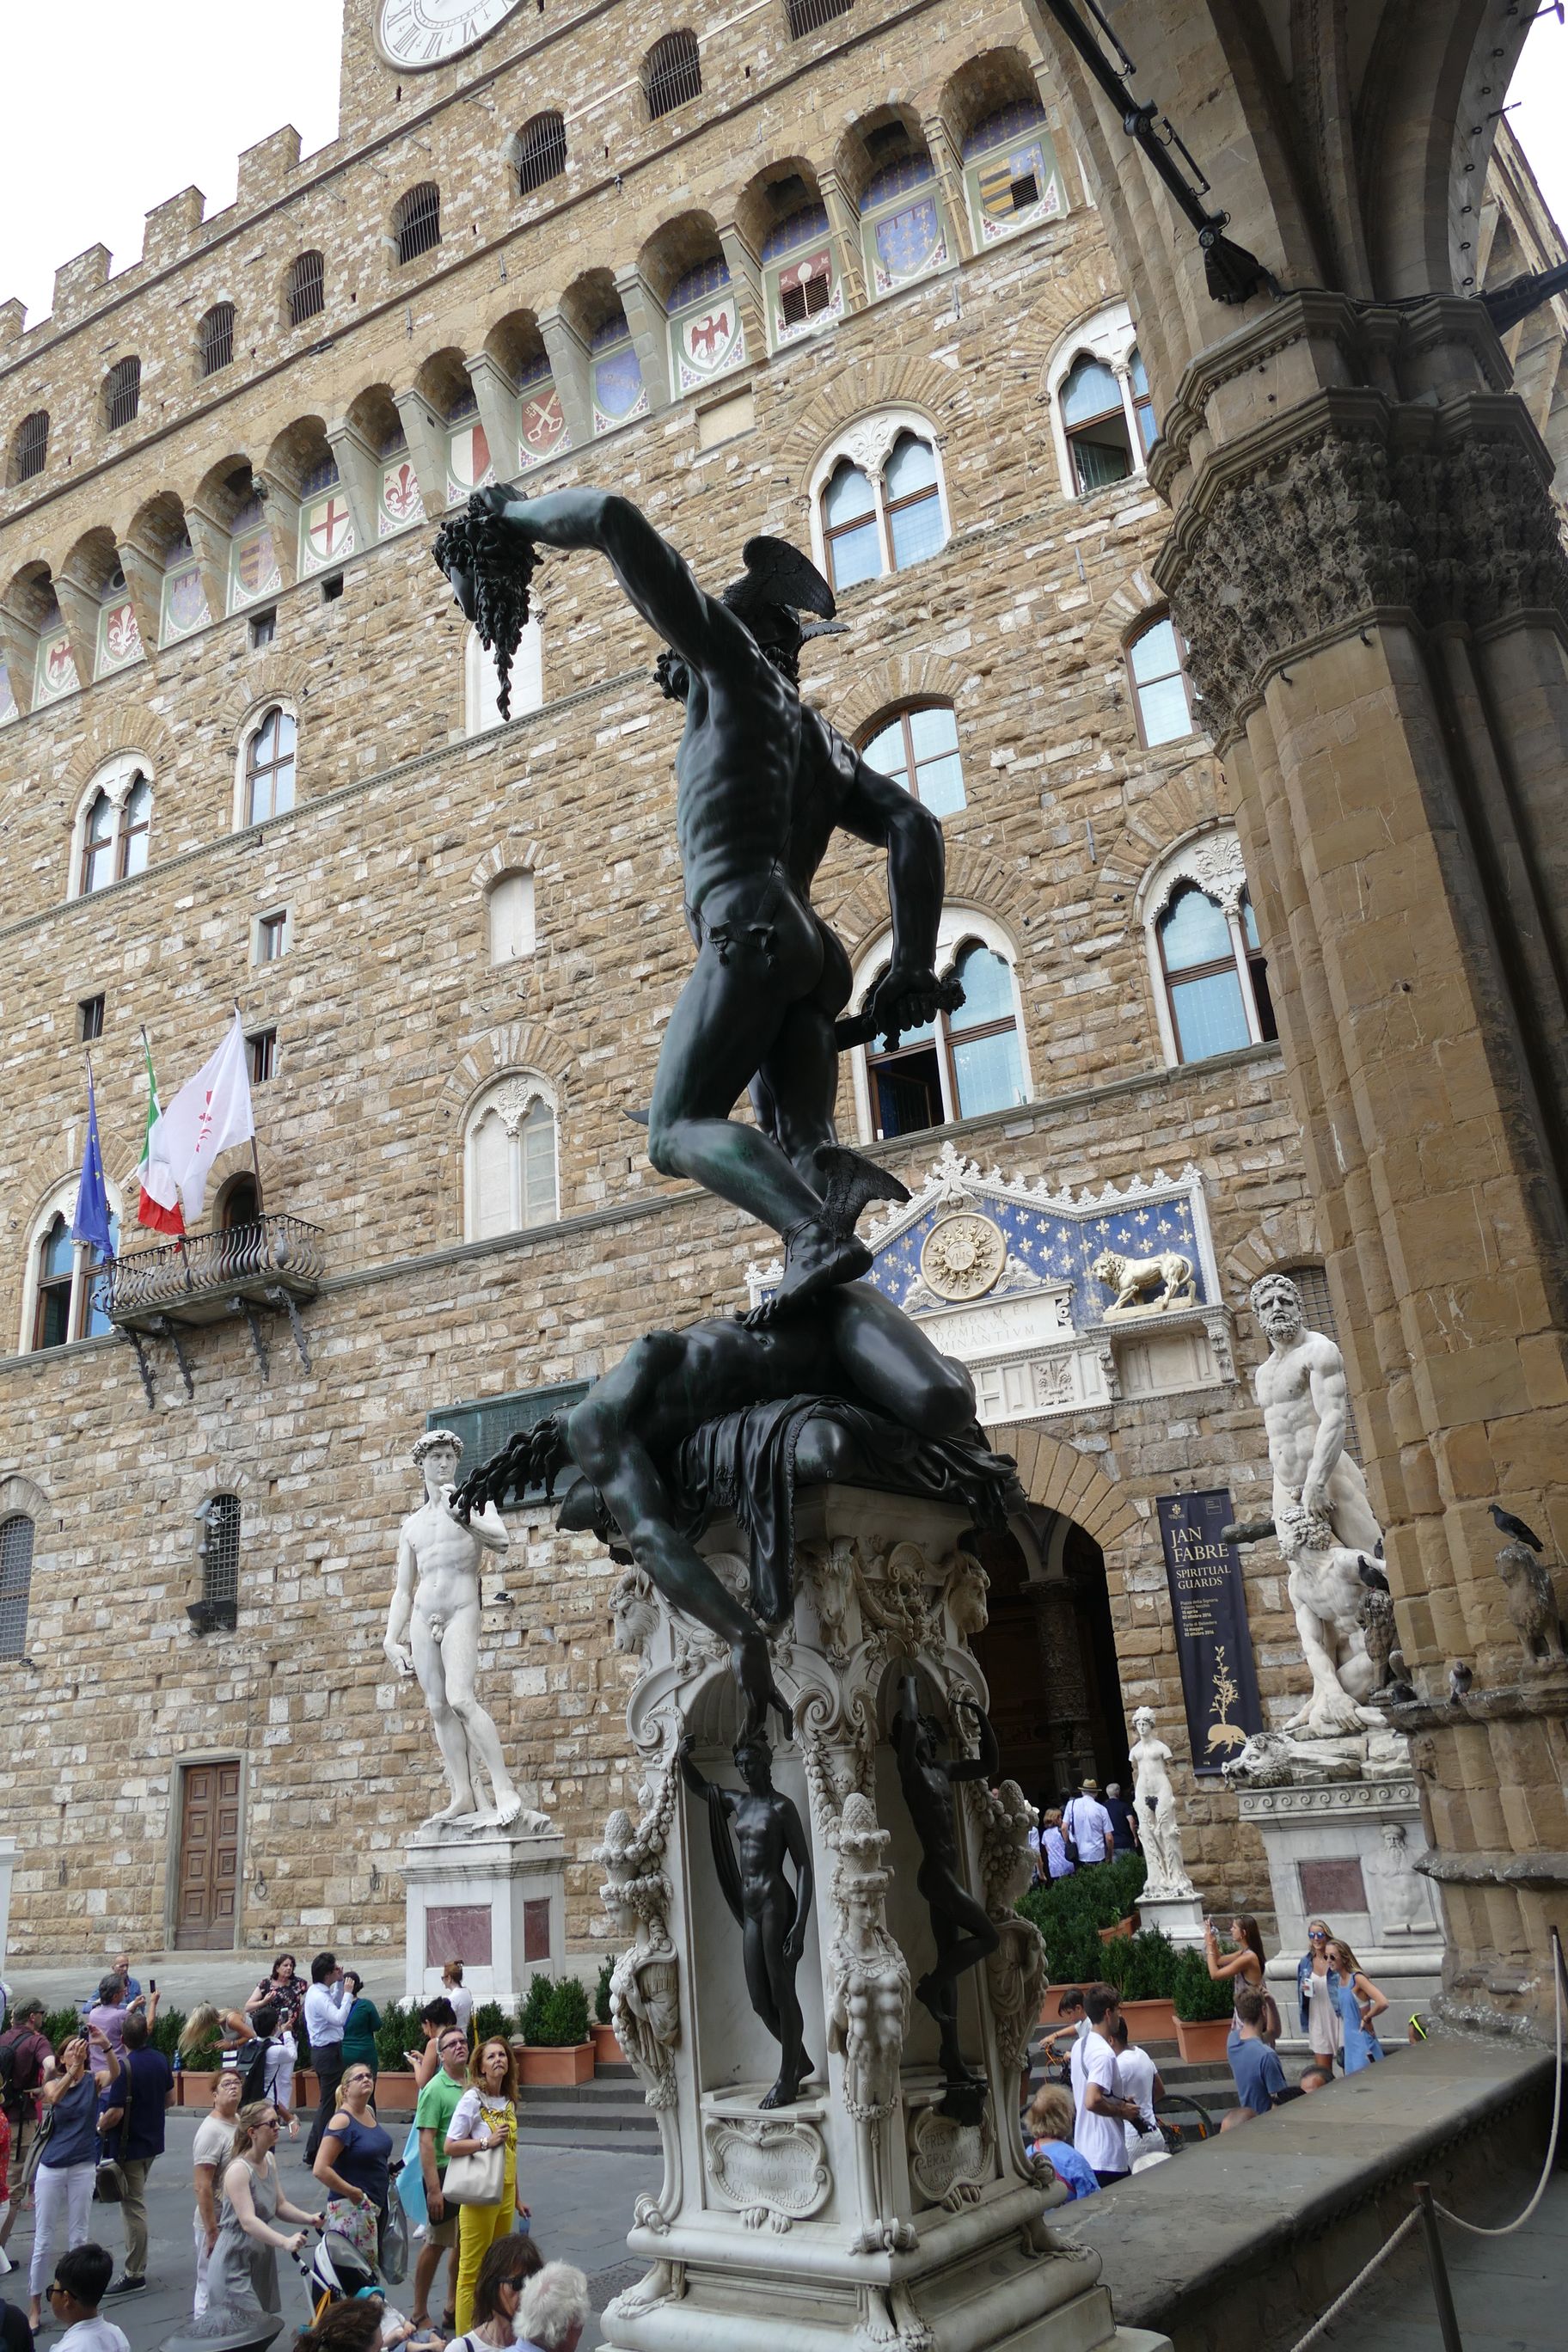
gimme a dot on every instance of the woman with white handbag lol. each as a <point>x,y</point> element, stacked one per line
<point>480,2178</point>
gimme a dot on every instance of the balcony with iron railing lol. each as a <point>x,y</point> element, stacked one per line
<point>267,1264</point>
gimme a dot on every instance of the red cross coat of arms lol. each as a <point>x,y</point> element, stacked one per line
<point>330,531</point>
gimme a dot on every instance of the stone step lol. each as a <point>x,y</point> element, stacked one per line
<point>598,2091</point>
<point>586,2119</point>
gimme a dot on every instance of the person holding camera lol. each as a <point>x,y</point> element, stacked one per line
<point>62,2187</point>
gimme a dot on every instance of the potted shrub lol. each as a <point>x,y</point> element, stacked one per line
<point>395,2036</point>
<point>607,2051</point>
<point>1203,2009</point>
<point>560,2051</point>
<point>1142,1968</point>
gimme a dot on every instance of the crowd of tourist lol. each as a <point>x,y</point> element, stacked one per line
<point>1103,2123</point>
<point>91,2112</point>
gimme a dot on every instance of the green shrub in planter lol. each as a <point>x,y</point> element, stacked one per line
<point>556,2014</point>
<point>1140,1967</point>
<point>601,1996</point>
<point>398,2032</point>
<point>60,2025</point>
<point>1196,1997</point>
<point>490,2019</point>
<point>535,2008</point>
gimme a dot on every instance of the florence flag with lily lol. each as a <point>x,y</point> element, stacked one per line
<point>210,1113</point>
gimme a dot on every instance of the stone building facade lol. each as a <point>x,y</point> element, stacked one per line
<point>831,272</point>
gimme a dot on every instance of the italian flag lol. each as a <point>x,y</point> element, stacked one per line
<point>160,1203</point>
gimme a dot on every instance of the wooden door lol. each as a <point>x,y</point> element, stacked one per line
<point>209,1858</point>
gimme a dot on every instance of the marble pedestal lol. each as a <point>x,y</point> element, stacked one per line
<point>861,2216</point>
<point>1179,1916</point>
<point>490,1898</point>
<point>1345,1851</point>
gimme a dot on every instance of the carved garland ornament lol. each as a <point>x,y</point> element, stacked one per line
<point>1465,534</point>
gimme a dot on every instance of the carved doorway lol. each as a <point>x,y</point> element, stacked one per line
<point>207,1897</point>
<point>1049,1655</point>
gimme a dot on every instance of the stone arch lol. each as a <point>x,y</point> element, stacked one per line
<point>275,678</point>
<point>1062,305</point>
<point>1057,1477</point>
<point>130,728</point>
<point>57,1159</point>
<point>20,1492</point>
<point>974,879</point>
<point>520,1045</point>
<point>1287,1235</point>
<point>514,853</point>
<point>1134,599</point>
<point>884,381</point>
<point>1188,802</point>
<point>911,678</point>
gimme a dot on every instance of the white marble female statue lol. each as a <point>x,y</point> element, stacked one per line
<point>433,1631</point>
<point>1155,1802</point>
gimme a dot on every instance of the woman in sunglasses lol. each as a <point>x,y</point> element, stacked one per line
<point>505,2271</point>
<point>242,2269</point>
<point>1318,1992</point>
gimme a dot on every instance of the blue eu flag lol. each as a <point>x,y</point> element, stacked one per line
<point>91,1221</point>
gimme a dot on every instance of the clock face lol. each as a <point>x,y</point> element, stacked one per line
<point>417,33</point>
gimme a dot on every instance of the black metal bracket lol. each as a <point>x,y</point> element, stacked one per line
<point>162,1329</point>
<point>143,1366</point>
<point>1509,304</point>
<point>258,1338</point>
<point>277,1296</point>
<point>1233,274</point>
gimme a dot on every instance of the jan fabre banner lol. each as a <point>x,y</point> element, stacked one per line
<point>1208,1604</point>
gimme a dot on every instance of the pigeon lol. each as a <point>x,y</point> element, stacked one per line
<point>1459,1680</point>
<point>1508,1526</point>
<point>1371,1575</point>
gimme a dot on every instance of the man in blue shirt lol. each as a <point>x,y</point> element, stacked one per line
<point>1254,2068</point>
<point>131,2126</point>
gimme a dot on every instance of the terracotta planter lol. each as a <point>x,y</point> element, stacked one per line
<point>555,2070</point>
<point>1150,2021</point>
<point>396,2092</point>
<point>607,2051</point>
<point>1051,2006</point>
<point>195,2088</point>
<point>1203,2044</point>
<point>1122,1928</point>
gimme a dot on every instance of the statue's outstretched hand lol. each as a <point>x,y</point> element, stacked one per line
<point>907,997</point>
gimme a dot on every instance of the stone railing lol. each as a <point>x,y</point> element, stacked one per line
<point>273,1252</point>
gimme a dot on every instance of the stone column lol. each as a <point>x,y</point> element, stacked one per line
<point>1366,565</point>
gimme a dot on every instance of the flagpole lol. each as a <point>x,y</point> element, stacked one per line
<point>178,1237</point>
<point>254,1155</point>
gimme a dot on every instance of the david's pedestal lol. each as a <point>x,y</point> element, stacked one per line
<point>494,1899</point>
<point>1179,1916</point>
<point>862,2216</point>
<point>1346,1852</point>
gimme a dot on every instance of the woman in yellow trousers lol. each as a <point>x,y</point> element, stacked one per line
<point>485,2116</point>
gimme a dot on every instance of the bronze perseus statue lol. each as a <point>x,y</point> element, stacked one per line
<point>763,783</point>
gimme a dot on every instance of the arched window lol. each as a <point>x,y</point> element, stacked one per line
<point>121,393</point>
<point>306,294</point>
<point>1102,412</point>
<point>136,827</point>
<point>217,338</point>
<point>416,222</point>
<point>16,1583</point>
<point>240,1203</point>
<point>269,767</point>
<point>880,500</point>
<point>918,748</point>
<point>220,1551</point>
<point>509,1155</point>
<point>1159,692</point>
<point>98,845</point>
<point>57,1279</point>
<point>482,681</point>
<point>540,152</point>
<point>1208,965</point>
<point>508,905</point>
<point>1096,421</point>
<point>671,74</point>
<point>57,1294</point>
<point>30,449</point>
<point>962,1064</point>
<point>1143,400</point>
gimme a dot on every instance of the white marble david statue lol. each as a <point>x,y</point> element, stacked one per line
<point>433,1631</point>
<point>1154,1801</point>
<point>1323,1518</point>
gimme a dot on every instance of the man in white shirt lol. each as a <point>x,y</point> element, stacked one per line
<point>1141,2081</point>
<point>325,2013</point>
<point>1101,2105</point>
<point>1090,1826</point>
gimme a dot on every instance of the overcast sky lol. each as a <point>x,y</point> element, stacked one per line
<point>143,101</point>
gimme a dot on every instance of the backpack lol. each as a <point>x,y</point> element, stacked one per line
<point>11,2084</point>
